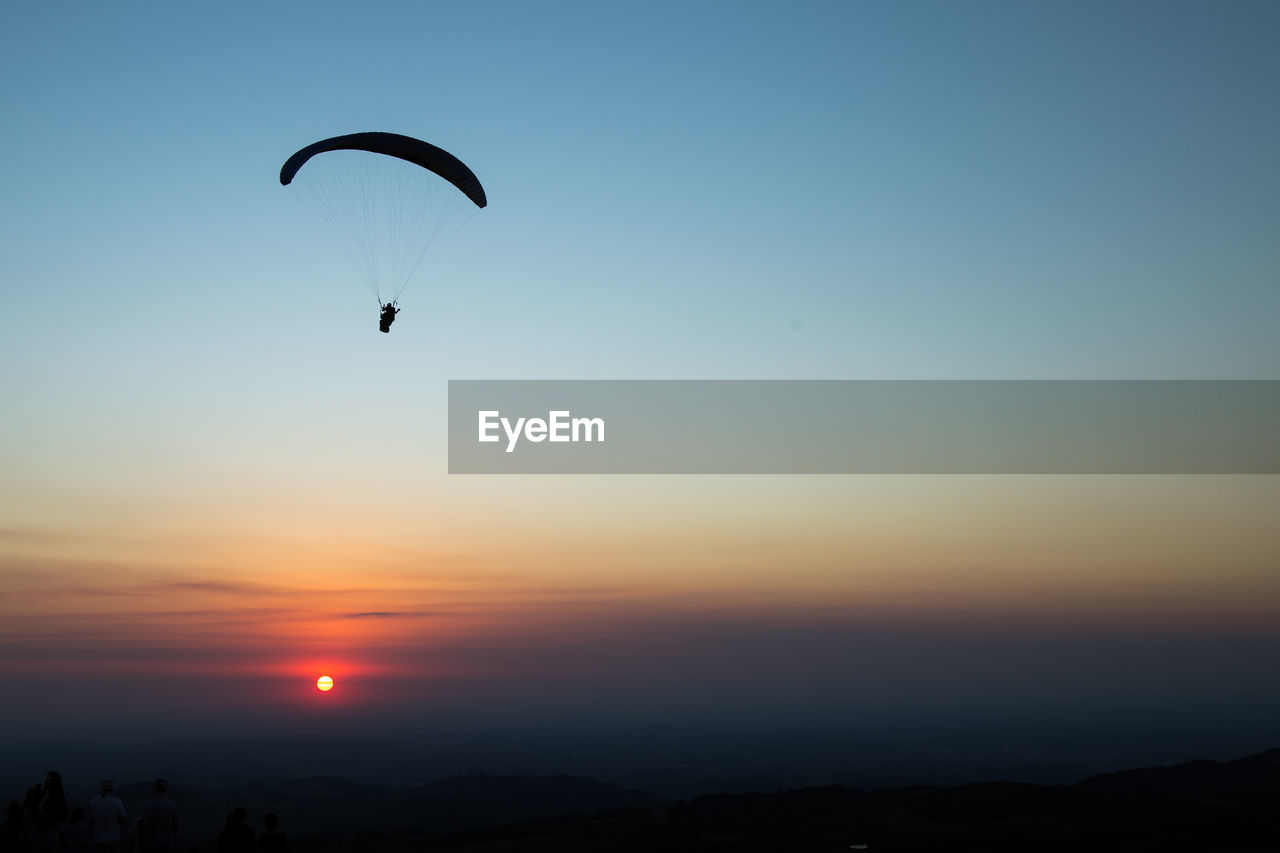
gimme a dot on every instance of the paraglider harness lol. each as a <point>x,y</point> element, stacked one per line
<point>389,312</point>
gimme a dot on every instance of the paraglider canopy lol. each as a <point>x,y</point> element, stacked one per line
<point>407,148</point>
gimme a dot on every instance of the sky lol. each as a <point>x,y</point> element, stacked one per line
<point>217,482</point>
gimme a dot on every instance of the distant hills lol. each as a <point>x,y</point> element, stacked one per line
<point>1200,805</point>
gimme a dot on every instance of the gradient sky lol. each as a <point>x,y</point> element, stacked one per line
<point>217,481</point>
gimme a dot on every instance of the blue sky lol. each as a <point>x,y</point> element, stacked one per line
<point>930,189</point>
<point>709,190</point>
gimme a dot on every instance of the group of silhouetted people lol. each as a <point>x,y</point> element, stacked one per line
<point>238,837</point>
<point>43,823</point>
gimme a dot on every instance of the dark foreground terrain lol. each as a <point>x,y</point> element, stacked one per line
<point>1202,805</point>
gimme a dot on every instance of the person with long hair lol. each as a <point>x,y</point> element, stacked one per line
<point>49,815</point>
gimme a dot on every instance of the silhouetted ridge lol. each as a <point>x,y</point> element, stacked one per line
<point>1251,777</point>
<point>463,802</point>
<point>1199,805</point>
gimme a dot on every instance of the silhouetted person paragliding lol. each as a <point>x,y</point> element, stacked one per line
<point>391,208</point>
<point>389,312</point>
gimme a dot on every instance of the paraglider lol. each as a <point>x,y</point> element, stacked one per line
<point>387,197</point>
<point>388,317</point>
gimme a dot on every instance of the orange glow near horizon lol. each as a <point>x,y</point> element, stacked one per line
<point>1170,555</point>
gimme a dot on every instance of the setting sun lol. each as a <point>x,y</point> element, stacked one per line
<point>324,683</point>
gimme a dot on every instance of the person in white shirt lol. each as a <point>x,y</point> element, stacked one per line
<point>106,819</point>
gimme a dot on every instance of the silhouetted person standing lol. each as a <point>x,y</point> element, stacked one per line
<point>236,836</point>
<point>158,823</point>
<point>11,831</point>
<point>106,819</point>
<point>75,835</point>
<point>49,814</point>
<point>272,840</point>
